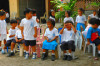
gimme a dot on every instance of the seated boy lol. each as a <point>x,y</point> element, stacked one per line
<point>11,37</point>
<point>68,36</point>
<point>93,34</point>
<point>18,39</point>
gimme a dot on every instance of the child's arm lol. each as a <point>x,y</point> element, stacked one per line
<point>16,39</point>
<point>54,38</point>
<point>35,35</point>
<point>11,36</point>
<point>75,25</point>
<point>22,28</point>
<point>46,38</point>
<point>73,28</point>
<point>85,23</point>
<point>88,41</point>
<point>61,32</point>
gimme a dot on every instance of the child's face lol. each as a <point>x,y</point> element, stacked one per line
<point>14,25</point>
<point>66,14</point>
<point>53,13</point>
<point>79,12</point>
<point>29,15</point>
<point>68,26</point>
<point>95,26</point>
<point>49,25</point>
<point>3,17</point>
<point>94,13</point>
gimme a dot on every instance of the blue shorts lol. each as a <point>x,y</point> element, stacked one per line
<point>49,45</point>
<point>79,26</point>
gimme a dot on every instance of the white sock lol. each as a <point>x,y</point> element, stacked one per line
<point>69,53</point>
<point>65,54</point>
<point>98,52</point>
<point>53,53</point>
<point>44,52</point>
<point>12,51</point>
<point>27,52</point>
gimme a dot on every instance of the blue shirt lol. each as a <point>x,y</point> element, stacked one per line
<point>92,30</point>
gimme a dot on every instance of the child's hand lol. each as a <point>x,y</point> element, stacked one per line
<point>88,43</point>
<point>64,26</point>
<point>35,35</point>
<point>17,40</point>
<point>47,40</point>
<point>37,20</point>
<point>20,40</point>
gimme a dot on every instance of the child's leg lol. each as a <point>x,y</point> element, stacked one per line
<point>69,52</point>
<point>4,41</point>
<point>24,47</point>
<point>98,49</point>
<point>12,46</point>
<point>34,49</point>
<point>53,55</point>
<point>0,45</point>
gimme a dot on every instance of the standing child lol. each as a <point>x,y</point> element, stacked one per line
<point>80,20</point>
<point>3,28</point>
<point>29,26</point>
<point>51,34</point>
<point>93,34</point>
<point>68,37</point>
<point>35,17</point>
<point>52,14</point>
<point>68,14</point>
<point>11,37</point>
<point>18,39</point>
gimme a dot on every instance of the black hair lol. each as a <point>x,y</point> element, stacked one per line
<point>94,11</point>
<point>2,13</point>
<point>69,13</point>
<point>51,12</point>
<point>99,13</point>
<point>13,21</point>
<point>94,21</point>
<point>27,10</point>
<point>69,21</point>
<point>52,22</point>
<point>81,9</point>
<point>33,11</point>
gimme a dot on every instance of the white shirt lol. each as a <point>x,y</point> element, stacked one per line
<point>68,18</point>
<point>7,15</point>
<point>81,19</point>
<point>3,27</point>
<point>52,18</point>
<point>18,34</point>
<point>11,32</point>
<point>68,35</point>
<point>28,28</point>
<point>51,34</point>
<point>34,17</point>
<point>92,16</point>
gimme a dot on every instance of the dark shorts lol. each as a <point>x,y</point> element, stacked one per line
<point>97,41</point>
<point>8,43</point>
<point>14,41</point>
<point>30,42</point>
<point>68,45</point>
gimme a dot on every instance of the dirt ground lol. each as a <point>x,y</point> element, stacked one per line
<point>83,60</point>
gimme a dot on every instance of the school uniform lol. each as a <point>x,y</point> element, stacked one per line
<point>29,31</point>
<point>3,30</point>
<point>68,19</point>
<point>80,22</point>
<point>50,34</point>
<point>68,40</point>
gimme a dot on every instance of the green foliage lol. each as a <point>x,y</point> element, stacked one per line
<point>66,6</point>
<point>96,4</point>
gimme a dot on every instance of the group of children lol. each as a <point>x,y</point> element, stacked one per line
<point>25,32</point>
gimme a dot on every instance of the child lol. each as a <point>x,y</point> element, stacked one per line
<point>3,28</point>
<point>67,14</point>
<point>80,20</point>
<point>35,17</point>
<point>29,26</point>
<point>51,34</point>
<point>18,39</point>
<point>11,37</point>
<point>52,15</point>
<point>68,37</point>
<point>92,15</point>
<point>93,34</point>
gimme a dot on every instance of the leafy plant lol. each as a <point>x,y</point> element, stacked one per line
<point>96,4</point>
<point>66,6</point>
